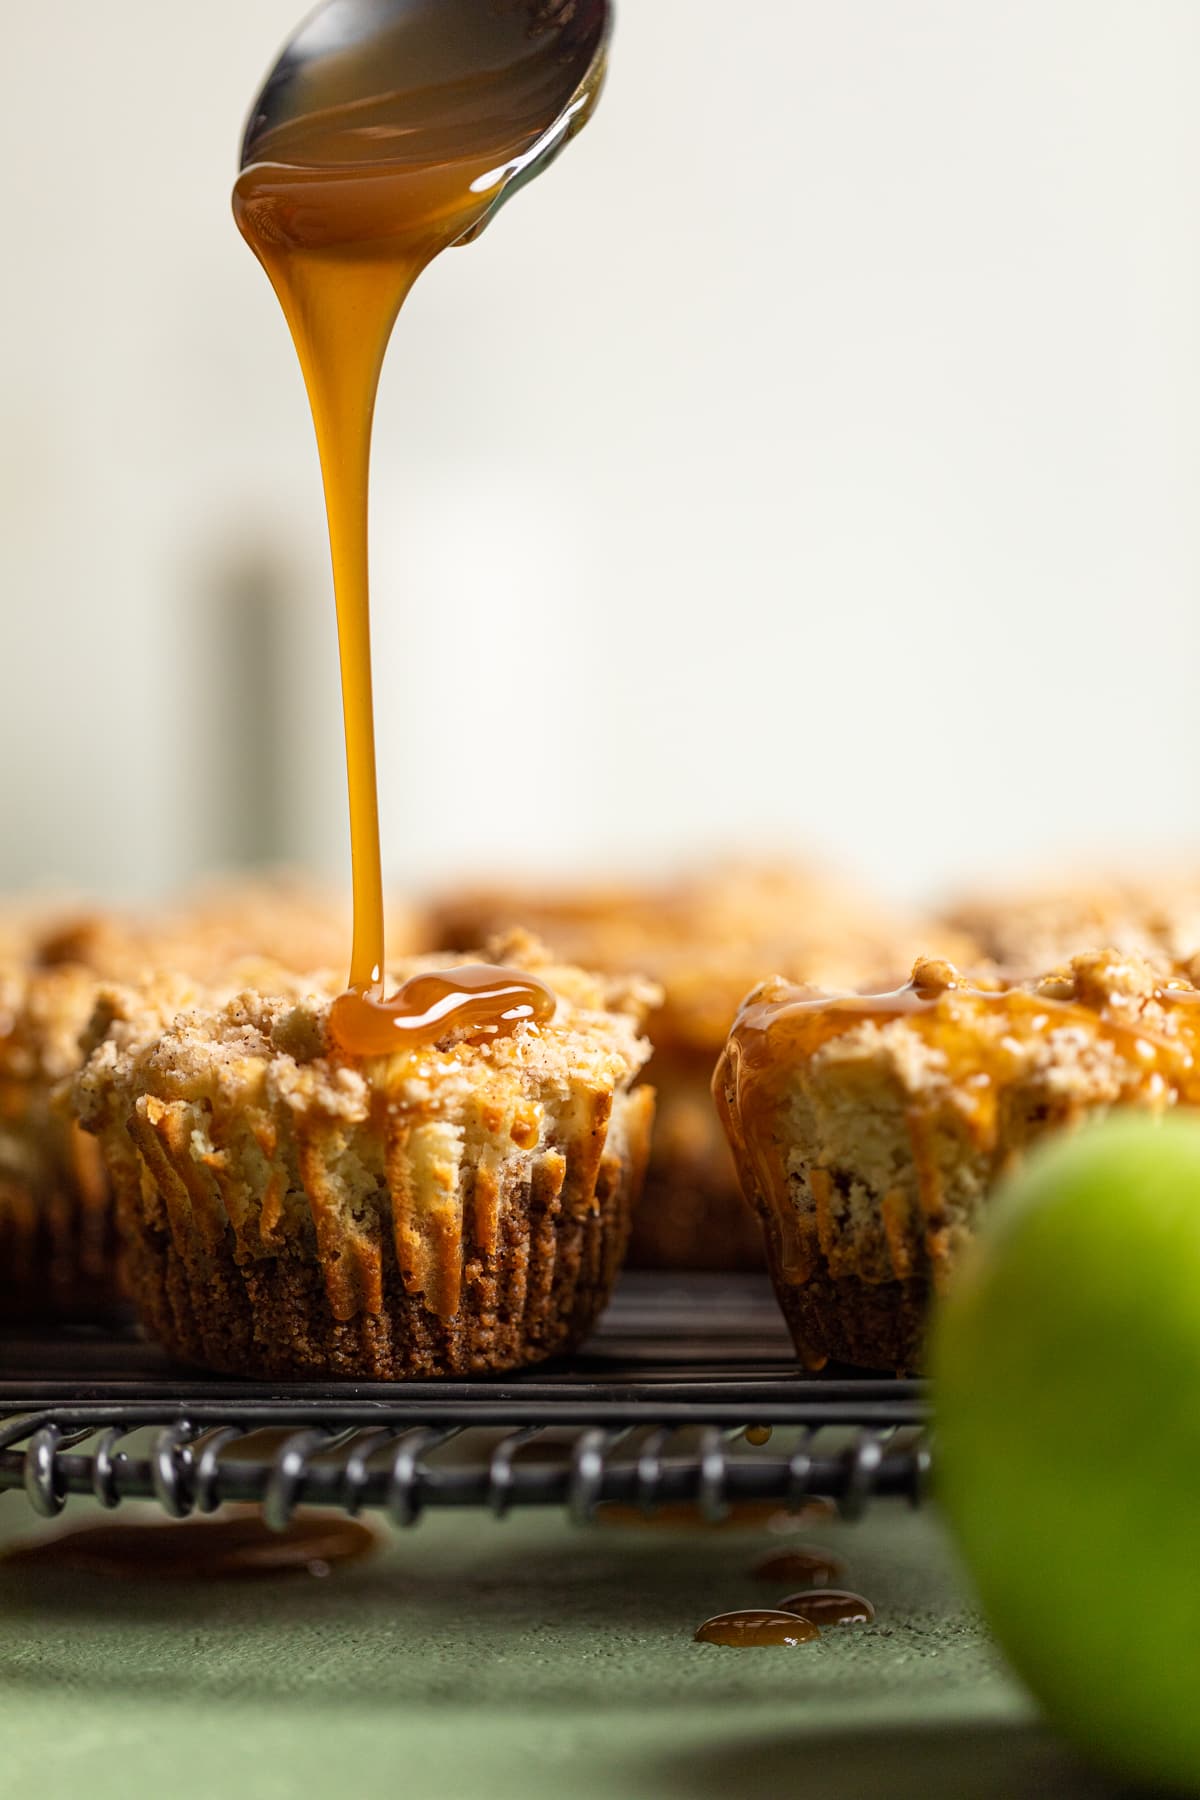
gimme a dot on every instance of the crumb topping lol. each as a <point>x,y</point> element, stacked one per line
<point>185,1038</point>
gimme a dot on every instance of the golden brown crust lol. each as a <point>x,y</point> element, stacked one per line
<point>706,939</point>
<point>864,1324</point>
<point>459,1206</point>
<point>870,1131</point>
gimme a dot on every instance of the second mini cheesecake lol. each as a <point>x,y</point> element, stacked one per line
<point>870,1130</point>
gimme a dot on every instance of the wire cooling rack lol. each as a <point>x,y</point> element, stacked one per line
<point>653,1410</point>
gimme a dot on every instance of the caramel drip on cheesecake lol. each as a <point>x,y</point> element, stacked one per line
<point>345,208</point>
<point>980,1033</point>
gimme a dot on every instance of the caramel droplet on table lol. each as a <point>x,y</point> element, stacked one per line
<point>756,1629</point>
<point>829,1606</point>
<point>428,1007</point>
<point>818,1567</point>
<point>200,1549</point>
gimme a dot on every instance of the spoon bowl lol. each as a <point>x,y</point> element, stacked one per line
<point>401,83</point>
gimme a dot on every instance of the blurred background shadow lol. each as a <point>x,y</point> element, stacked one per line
<point>810,459</point>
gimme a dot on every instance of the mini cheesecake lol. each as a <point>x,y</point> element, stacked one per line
<point>288,1209</point>
<point>869,1131</point>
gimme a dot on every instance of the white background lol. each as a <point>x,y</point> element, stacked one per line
<point>810,459</point>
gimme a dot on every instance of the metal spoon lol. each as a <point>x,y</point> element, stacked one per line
<point>402,80</point>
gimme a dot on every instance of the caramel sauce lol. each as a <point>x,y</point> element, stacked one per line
<point>426,1007</point>
<point>819,1568</point>
<point>829,1606</point>
<point>241,1545</point>
<point>400,151</point>
<point>756,1629</point>
<point>980,1033</point>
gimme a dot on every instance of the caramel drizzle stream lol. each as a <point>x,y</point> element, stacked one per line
<point>343,246</point>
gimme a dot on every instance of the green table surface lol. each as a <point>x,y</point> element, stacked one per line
<point>476,1657</point>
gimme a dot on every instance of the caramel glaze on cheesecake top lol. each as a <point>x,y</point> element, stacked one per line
<point>868,1128</point>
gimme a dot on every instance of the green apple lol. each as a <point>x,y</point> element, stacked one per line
<point>1066,1372</point>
